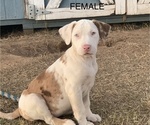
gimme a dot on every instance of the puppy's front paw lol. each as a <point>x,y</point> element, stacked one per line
<point>94,118</point>
<point>89,123</point>
<point>69,122</point>
<point>85,122</point>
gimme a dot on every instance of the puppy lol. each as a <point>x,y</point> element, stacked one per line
<point>64,87</point>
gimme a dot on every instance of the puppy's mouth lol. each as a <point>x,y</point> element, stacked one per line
<point>88,53</point>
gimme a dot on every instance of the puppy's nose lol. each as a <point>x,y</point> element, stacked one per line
<point>86,47</point>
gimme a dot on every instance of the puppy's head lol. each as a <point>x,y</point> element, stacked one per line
<point>84,35</point>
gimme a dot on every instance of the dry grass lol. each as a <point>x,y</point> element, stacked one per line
<point>121,94</point>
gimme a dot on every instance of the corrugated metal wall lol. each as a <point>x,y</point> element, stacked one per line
<point>11,9</point>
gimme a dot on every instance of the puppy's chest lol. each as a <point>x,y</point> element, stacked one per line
<point>88,78</point>
<point>87,84</point>
<point>88,69</point>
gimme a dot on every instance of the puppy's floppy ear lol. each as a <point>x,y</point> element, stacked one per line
<point>103,28</point>
<point>66,32</point>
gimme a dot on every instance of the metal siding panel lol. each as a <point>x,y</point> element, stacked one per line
<point>2,10</point>
<point>53,4</point>
<point>20,9</point>
<point>66,3</point>
<point>46,2</point>
<point>14,9</point>
<point>10,9</point>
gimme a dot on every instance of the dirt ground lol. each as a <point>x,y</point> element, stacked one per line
<point>121,95</point>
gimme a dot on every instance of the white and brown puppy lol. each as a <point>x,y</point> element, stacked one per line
<point>65,86</point>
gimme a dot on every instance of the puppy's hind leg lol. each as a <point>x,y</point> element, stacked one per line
<point>33,107</point>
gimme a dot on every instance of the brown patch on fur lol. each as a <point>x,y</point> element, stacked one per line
<point>25,92</point>
<point>103,28</point>
<point>46,93</point>
<point>41,76</point>
<point>63,59</point>
<point>46,85</point>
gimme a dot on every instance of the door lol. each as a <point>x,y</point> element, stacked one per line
<point>61,9</point>
<point>65,9</point>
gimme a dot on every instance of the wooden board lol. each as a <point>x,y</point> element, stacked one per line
<point>147,1</point>
<point>107,1</point>
<point>143,9</point>
<point>120,7</point>
<point>141,1</point>
<point>39,4</point>
<point>66,3</point>
<point>131,7</point>
<point>27,2</point>
<point>65,13</point>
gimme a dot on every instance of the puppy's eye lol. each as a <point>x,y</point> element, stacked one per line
<point>76,35</point>
<point>93,33</point>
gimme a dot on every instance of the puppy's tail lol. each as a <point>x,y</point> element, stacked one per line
<point>10,116</point>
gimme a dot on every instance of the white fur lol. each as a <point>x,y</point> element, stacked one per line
<point>32,110</point>
<point>69,122</point>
